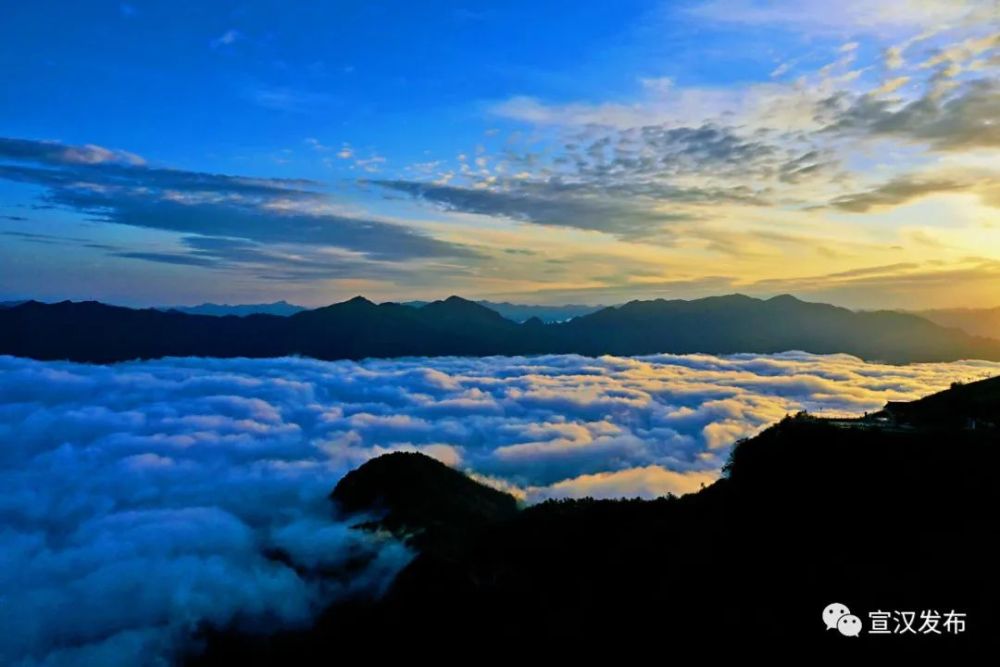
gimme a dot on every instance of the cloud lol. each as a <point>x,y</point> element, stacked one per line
<point>846,16</point>
<point>52,153</point>
<point>142,503</point>
<point>289,100</point>
<point>275,261</point>
<point>119,187</point>
<point>915,283</point>
<point>912,187</point>
<point>167,258</point>
<point>141,499</point>
<point>544,204</point>
<point>645,482</point>
<point>687,152</point>
<point>281,262</point>
<point>893,57</point>
<point>633,183</point>
<point>954,118</point>
<point>227,38</point>
<point>934,280</point>
<point>891,85</point>
<point>706,151</point>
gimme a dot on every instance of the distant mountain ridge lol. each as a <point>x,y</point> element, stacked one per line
<point>359,328</point>
<point>512,311</point>
<point>984,322</point>
<point>975,321</point>
<point>282,308</point>
<point>519,312</point>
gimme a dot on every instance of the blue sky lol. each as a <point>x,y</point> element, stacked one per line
<point>174,152</point>
<point>233,85</point>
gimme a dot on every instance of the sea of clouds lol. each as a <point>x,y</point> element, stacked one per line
<point>140,500</point>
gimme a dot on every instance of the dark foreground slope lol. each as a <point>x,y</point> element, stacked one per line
<point>894,518</point>
<point>966,406</point>
<point>95,332</point>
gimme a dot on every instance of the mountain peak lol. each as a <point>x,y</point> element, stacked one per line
<point>785,298</point>
<point>417,494</point>
<point>353,306</point>
<point>456,305</point>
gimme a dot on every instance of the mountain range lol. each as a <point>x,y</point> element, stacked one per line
<point>282,308</point>
<point>976,321</point>
<point>511,311</point>
<point>521,312</point>
<point>882,516</point>
<point>358,328</point>
<point>983,322</point>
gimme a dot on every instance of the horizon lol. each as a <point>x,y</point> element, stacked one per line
<point>242,153</point>
<point>758,297</point>
<point>482,301</point>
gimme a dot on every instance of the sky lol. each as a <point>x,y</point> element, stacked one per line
<point>161,153</point>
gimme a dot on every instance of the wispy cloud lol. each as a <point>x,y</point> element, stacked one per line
<point>245,218</point>
<point>912,187</point>
<point>289,99</point>
<point>227,38</point>
<point>848,16</point>
<point>548,204</point>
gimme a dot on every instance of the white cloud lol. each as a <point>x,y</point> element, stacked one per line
<point>846,15</point>
<point>227,38</point>
<point>645,482</point>
<point>139,499</point>
<point>914,76</point>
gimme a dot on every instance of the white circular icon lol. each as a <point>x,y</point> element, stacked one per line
<point>849,625</point>
<point>833,613</point>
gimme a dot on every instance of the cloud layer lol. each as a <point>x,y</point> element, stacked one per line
<point>139,499</point>
<point>288,227</point>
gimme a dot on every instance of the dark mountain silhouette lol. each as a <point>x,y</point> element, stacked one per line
<point>512,311</point>
<point>219,309</point>
<point>518,312</point>
<point>522,312</point>
<point>94,332</point>
<point>879,517</point>
<point>969,406</point>
<point>737,323</point>
<point>418,497</point>
<point>358,328</point>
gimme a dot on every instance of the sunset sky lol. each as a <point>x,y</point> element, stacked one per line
<point>158,153</point>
